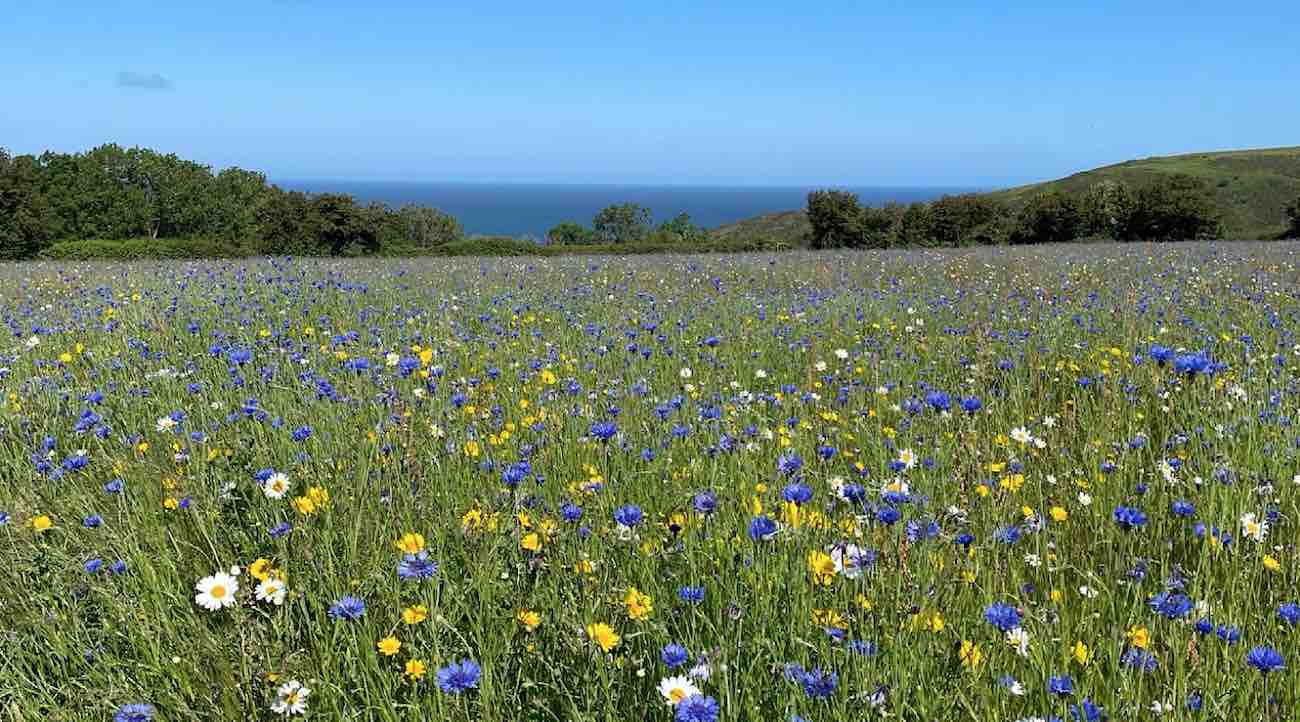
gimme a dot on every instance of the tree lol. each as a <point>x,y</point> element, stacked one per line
<point>1293,215</point>
<point>25,218</point>
<point>954,220</point>
<point>621,223</point>
<point>1050,217</point>
<point>1173,208</point>
<point>681,230</point>
<point>836,218</point>
<point>913,228</point>
<point>1106,210</point>
<point>427,228</point>
<point>340,227</point>
<point>569,233</point>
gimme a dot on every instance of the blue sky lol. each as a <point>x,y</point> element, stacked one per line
<point>663,91</point>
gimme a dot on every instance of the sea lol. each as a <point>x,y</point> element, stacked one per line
<point>526,210</point>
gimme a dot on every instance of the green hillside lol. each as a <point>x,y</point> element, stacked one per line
<point>1251,187</point>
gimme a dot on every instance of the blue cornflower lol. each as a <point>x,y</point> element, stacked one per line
<point>1289,613</point>
<point>1265,659</point>
<point>134,712</point>
<point>819,684</point>
<point>674,655</point>
<point>696,708</point>
<point>971,404</point>
<point>94,521</point>
<point>92,565</point>
<point>797,492</point>
<point>761,528</point>
<point>888,515</point>
<point>459,676</point>
<point>417,566</point>
<point>629,515</point>
<point>1002,616</point>
<point>604,430</point>
<point>789,464</point>
<point>1061,686</point>
<point>1129,517</point>
<point>114,487</point>
<point>705,502</point>
<point>570,512</point>
<point>1087,711</point>
<point>691,595</point>
<point>349,608</point>
<point>117,567</point>
<point>1183,508</point>
<point>302,433</point>
<point>1140,659</point>
<point>281,529</point>
<point>1173,606</point>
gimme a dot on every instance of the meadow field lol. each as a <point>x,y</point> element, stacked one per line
<point>1058,483</point>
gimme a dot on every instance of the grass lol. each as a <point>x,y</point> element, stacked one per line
<point>192,381</point>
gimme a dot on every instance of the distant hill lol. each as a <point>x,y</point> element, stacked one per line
<point>1251,187</point>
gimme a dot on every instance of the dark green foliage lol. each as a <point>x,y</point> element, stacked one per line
<point>137,249</point>
<point>681,230</point>
<point>967,219</point>
<point>621,223</point>
<point>493,246</point>
<point>569,233</point>
<point>1173,208</point>
<point>25,218</point>
<point>1105,210</point>
<point>1050,217</point>
<point>836,218</point>
<point>1293,218</point>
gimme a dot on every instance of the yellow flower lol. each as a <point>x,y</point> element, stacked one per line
<point>42,523</point>
<point>532,541</point>
<point>928,620</point>
<point>530,619</point>
<point>303,505</point>
<point>1138,636</point>
<point>603,635</point>
<point>411,543</point>
<point>1272,564</point>
<point>260,569</point>
<point>827,618</point>
<point>1059,514</point>
<point>1080,652</point>
<point>388,646</point>
<point>415,669</point>
<point>970,654</point>
<point>583,566</point>
<point>319,496</point>
<point>415,614</point>
<point>639,605</point>
<point>822,567</point>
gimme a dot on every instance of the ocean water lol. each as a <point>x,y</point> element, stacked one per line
<point>530,209</point>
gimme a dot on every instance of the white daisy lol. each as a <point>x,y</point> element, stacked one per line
<point>166,423</point>
<point>276,485</point>
<point>271,590</point>
<point>1021,435</point>
<point>216,592</point>
<point>291,698</point>
<point>676,689</point>
<point>1252,528</point>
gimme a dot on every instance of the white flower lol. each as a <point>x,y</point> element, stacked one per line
<point>841,354</point>
<point>849,560</point>
<point>1088,592</point>
<point>392,359</point>
<point>33,342</point>
<point>760,374</point>
<point>271,590</point>
<point>276,485</point>
<point>820,366</point>
<point>216,592</point>
<point>882,391</point>
<point>908,457</point>
<point>702,671</point>
<point>166,423</point>
<point>1021,435</point>
<point>291,699</point>
<point>1084,498</point>
<point>1019,639</point>
<point>685,372</point>
<point>676,689</point>
<point>1033,560</point>
<point>1161,707</point>
<point>1049,422</point>
<point>1252,528</point>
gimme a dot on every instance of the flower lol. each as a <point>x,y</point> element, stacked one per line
<point>414,669</point>
<point>676,689</point>
<point>1061,686</point>
<point>42,523</point>
<point>970,654</point>
<point>1002,616</point>
<point>638,604</point>
<point>276,485</point>
<point>691,595</point>
<point>1265,659</point>
<point>529,619</point>
<point>134,712</point>
<point>819,684</point>
<point>459,676</point>
<point>270,590</point>
<point>697,708</point>
<point>415,614</point>
<point>349,608</point>
<point>674,655</point>
<point>416,566</point>
<point>291,698</point>
<point>410,543</point>
<point>1129,518</point>
<point>628,516</point>
<point>216,591</point>
<point>761,528</point>
<point>388,646</point>
<point>603,635</point>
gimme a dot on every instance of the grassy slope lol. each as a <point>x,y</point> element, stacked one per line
<point>1252,186</point>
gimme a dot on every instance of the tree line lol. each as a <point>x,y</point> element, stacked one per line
<point>1169,208</point>
<point>114,193</point>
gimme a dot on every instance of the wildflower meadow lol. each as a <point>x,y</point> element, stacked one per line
<point>1000,484</point>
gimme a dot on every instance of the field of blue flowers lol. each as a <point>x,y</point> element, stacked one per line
<point>999,484</point>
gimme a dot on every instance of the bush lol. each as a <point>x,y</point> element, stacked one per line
<point>836,218</point>
<point>493,246</point>
<point>1173,208</point>
<point>1293,216</point>
<point>569,233</point>
<point>1051,217</point>
<point>138,249</point>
